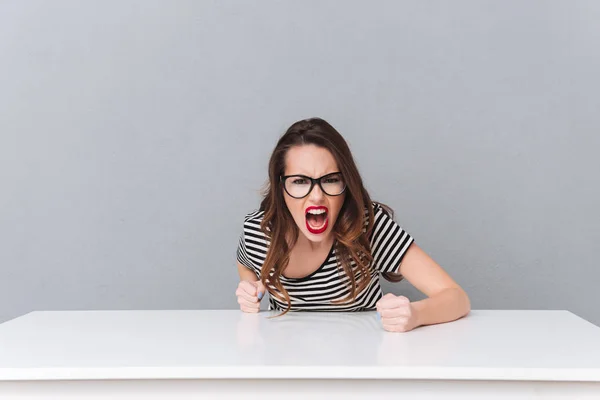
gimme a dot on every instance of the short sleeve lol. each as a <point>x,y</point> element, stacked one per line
<point>389,242</point>
<point>242,253</point>
<point>252,244</point>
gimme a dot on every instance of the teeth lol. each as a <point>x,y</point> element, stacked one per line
<point>317,212</point>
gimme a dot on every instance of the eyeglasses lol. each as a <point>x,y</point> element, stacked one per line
<point>299,186</point>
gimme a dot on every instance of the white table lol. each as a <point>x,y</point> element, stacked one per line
<point>229,354</point>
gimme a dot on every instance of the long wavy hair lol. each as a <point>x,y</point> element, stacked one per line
<point>351,237</point>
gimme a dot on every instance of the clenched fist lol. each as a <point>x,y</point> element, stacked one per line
<point>249,294</point>
<point>397,314</point>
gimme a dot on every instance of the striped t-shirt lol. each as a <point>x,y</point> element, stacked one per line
<point>317,291</point>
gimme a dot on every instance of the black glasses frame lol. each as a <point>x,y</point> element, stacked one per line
<point>313,181</point>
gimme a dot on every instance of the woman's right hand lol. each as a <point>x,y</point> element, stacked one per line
<point>249,294</point>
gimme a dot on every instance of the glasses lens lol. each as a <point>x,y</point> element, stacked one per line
<point>297,186</point>
<point>333,184</point>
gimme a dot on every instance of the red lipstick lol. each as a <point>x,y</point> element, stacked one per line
<point>323,227</point>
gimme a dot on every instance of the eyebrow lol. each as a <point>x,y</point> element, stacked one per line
<point>328,173</point>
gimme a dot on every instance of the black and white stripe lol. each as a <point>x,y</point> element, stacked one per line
<point>317,291</point>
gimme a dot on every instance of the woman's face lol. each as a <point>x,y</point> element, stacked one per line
<point>316,213</point>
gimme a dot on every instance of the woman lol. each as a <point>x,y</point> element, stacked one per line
<point>318,242</point>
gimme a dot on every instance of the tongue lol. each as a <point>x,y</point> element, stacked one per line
<point>316,220</point>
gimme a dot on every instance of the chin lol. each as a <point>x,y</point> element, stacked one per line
<point>316,237</point>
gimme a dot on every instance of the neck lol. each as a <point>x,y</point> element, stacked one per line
<point>323,245</point>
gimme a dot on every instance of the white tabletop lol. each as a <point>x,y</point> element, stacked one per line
<point>229,344</point>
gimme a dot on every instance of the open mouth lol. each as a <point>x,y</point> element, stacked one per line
<point>316,219</point>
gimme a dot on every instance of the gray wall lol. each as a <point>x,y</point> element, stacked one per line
<point>135,136</point>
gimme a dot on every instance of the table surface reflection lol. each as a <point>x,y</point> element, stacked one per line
<point>229,344</point>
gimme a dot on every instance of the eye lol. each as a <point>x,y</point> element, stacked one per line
<point>332,179</point>
<point>300,181</point>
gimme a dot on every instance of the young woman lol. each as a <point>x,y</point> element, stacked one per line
<point>319,243</point>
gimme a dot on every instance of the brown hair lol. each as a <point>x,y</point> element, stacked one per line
<point>352,241</point>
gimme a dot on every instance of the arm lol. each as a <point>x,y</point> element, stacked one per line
<point>249,291</point>
<point>446,301</point>
<point>246,274</point>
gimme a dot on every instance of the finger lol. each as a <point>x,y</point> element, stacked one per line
<point>384,303</point>
<point>248,287</point>
<point>390,296</point>
<point>395,321</point>
<point>241,293</point>
<point>395,328</point>
<point>385,298</point>
<point>260,289</point>
<point>248,303</point>
<point>402,311</point>
<point>392,303</point>
<point>382,300</point>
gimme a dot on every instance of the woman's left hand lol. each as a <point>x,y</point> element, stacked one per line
<point>397,314</point>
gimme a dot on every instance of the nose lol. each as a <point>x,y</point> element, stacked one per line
<point>316,194</point>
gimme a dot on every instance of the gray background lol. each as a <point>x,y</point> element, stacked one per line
<point>135,137</point>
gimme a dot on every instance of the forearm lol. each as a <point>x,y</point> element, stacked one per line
<point>246,274</point>
<point>447,305</point>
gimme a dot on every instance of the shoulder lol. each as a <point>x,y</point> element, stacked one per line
<point>377,208</point>
<point>369,225</point>
<point>252,230</point>
<point>379,211</point>
<point>254,217</point>
<point>383,219</point>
